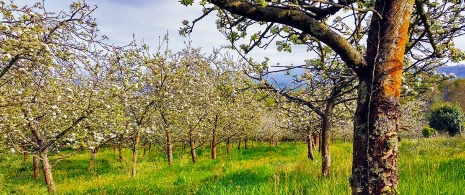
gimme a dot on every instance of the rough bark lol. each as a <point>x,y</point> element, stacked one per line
<point>35,166</point>
<point>375,168</point>
<point>192,146</point>
<point>135,149</point>
<point>47,169</point>
<point>169,148</point>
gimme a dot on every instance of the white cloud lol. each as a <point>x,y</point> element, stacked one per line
<point>151,19</point>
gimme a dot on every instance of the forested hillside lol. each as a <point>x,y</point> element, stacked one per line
<point>458,70</point>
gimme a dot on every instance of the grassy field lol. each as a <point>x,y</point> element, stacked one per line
<point>427,166</point>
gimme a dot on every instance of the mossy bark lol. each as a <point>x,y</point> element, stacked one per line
<point>375,168</point>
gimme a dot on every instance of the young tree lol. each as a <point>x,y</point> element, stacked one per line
<point>377,64</point>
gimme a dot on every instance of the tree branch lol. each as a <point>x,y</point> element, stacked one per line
<point>299,20</point>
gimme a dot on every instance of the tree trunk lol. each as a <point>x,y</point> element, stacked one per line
<point>25,153</point>
<point>35,166</point>
<point>309,147</point>
<point>239,144</point>
<point>375,151</point>
<point>114,148</point>
<point>120,148</point>
<point>228,145</point>
<point>169,148</point>
<point>184,145</point>
<point>326,139</point>
<point>316,140</point>
<point>134,152</point>
<point>120,152</point>
<point>271,140</point>
<point>245,143</point>
<point>150,146</point>
<point>192,146</point>
<point>213,144</point>
<point>47,169</point>
<point>93,155</point>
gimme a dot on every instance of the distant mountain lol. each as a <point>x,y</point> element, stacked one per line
<point>458,70</point>
<point>282,79</point>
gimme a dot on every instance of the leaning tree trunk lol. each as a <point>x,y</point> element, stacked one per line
<point>47,169</point>
<point>169,147</point>
<point>375,168</point>
<point>192,146</point>
<point>35,166</point>
<point>134,152</point>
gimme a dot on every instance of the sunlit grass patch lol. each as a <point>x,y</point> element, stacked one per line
<point>427,166</point>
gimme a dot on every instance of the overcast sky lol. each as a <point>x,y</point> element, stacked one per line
<point>151,19</point>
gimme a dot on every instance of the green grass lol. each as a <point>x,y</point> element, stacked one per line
<point>427,166</point>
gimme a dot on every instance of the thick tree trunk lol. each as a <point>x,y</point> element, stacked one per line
<point>192,146</point>
<point>213,144</point>
<point>375,168</point>
<point>35,166</point>
<point>47,169</point>
<point>228,145</point>
<point>309,147</point>
<point>93,155</point>
<point>135,149</point>
<point>169,148</point>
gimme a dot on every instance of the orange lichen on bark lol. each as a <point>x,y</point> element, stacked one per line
<point>394,64</point>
